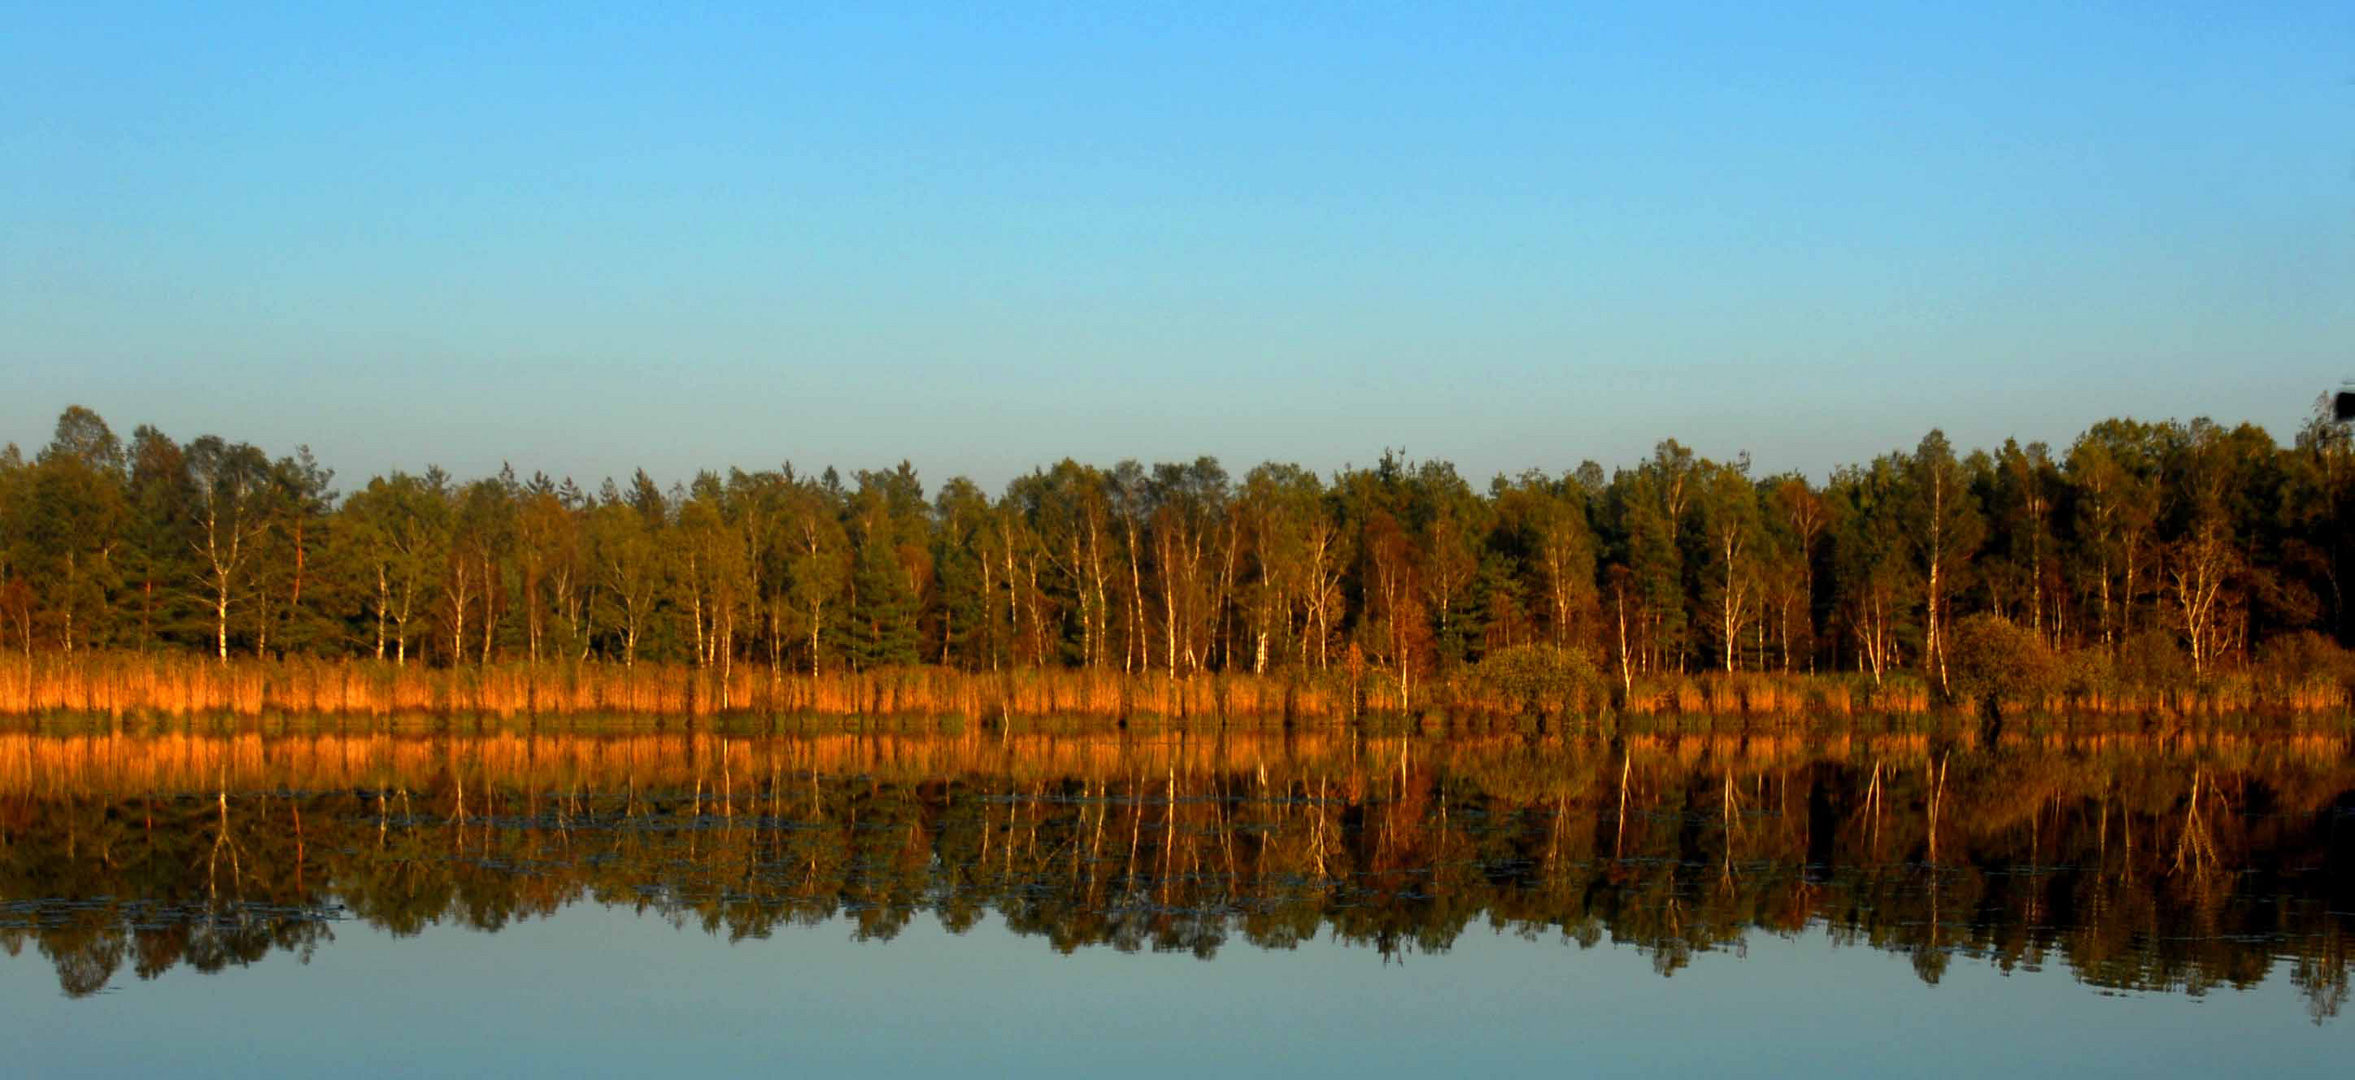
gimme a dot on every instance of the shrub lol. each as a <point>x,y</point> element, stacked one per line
<point>2307,670</point>
<point>1990,659</point>
<point>2086,674</point>
<point>2304,657</point>
<point>2154,659</point>
<point>1538,678</point>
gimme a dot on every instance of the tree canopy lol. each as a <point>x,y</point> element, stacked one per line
<point>2188,544</point>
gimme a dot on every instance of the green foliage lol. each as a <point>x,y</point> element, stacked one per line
<point>1991,660</point>
<point>882,628</point>
<point>2308,661</point>
<point>1539,678</point>
<point>2305,655</point>
<point>2154,658</point>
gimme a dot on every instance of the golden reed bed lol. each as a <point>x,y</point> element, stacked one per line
<point>179,686</point>
<point>120,684</point>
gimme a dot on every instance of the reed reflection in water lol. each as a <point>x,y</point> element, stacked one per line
<point>2168,864</point>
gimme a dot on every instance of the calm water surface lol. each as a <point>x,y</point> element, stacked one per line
<point>1314,903</point>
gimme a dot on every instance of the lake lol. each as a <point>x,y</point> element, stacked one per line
<point>285,900</point>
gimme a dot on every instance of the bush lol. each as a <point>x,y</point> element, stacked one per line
<point>1990,659</point>
<point>1537,678</point>
<point>2154,659</point>
<point>2087,674</point>
<point>2305,657</point>
<point>2307,670</point>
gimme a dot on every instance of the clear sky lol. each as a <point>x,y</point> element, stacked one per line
<point>983,238</point>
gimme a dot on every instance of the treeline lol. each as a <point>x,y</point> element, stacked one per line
<point>2143,554</point>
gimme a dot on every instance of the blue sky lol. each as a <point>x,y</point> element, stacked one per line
<point>987,237</point>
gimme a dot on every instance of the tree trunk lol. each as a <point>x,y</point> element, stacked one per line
<point>1626,676</point>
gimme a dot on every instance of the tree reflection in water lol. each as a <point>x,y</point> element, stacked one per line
<point>2175,863</point>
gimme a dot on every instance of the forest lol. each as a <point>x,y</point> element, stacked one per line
<point>2170,554</point>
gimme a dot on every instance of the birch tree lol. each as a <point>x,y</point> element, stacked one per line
<point>1876,582</point>
<point>1803,516</point>
<point>629,572</point>
<point>818,568</point>
<point>1729,515</point>
<point>228,480</point>
<point>1946,529</point>
<point>398,525</point>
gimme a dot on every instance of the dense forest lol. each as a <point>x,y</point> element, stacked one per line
<point>2144,552</point>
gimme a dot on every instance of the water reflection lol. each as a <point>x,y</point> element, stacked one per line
<point>2177,863</point>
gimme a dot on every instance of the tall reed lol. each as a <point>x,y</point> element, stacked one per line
<point>138,684</point>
